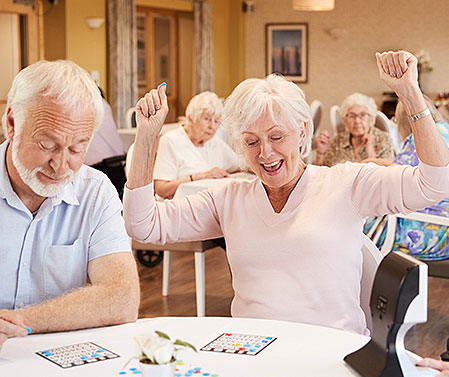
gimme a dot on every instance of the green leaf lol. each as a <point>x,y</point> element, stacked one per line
<point>184,344</point>
<point>162,334</point>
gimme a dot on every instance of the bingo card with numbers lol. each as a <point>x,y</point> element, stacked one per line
<point>77,354</point>
<point>242,344</point>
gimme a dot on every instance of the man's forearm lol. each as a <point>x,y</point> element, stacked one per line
<point>90,306</point>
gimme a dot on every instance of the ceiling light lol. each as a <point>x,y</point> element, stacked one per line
<point>313,5</point>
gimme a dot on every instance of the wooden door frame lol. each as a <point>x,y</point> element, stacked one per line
<point>34,26</point>
<point>34,37</point>
<point>151,13</point>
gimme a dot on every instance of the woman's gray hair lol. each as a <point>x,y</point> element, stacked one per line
<point>358,99</point>
<point>205,102</point>
<point>63,82</point>
<point>283,100</point>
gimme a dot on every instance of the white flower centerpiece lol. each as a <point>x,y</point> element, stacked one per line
<point>157,354</point>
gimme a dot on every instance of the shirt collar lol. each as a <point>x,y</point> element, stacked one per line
<point>67,195</point>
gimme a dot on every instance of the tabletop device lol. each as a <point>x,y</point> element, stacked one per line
<point>398,301</point>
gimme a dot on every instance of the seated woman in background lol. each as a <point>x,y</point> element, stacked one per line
<point>106,140</point>
<point>294,234</point>
<point>422,240</point>
<point>105,151</point>
<point>360,140</point>
<point>193,151</point>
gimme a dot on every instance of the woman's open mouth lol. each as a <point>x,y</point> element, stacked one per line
<point>273,167</point>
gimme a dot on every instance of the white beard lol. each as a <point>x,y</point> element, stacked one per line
<point>29,177</point>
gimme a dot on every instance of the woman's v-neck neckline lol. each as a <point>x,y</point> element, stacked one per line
<point>266,211</point>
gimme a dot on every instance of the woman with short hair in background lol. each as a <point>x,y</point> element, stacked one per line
<point>360,140</point>
<point>193,151</point>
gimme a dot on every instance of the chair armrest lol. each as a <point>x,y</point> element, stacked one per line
<point>424,217</point>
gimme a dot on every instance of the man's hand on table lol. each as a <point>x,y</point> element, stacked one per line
<point>11,324</point>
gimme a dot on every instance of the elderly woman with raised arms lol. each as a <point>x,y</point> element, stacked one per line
<point>294,234</point>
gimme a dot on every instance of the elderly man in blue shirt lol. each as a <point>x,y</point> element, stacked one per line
<point>65,258</point>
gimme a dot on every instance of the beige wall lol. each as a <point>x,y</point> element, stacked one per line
<point>55,31</point>
<point>228,29</point>
<point>85,46</point>
<point>185,58</point>
<point>220,22</point>
<point>67,36</point>
<point>340,67</point>
<point>236,27</point>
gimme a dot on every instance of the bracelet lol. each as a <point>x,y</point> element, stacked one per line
<point>191,177</point>
<point>418,116</point>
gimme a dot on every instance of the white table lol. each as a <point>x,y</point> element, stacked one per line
<point>300,350</point>
<point>189,188</point>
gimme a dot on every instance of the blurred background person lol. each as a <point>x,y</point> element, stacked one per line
<point>421,240</point>
<point>193,151</point>
<point>360,140</point>
<point>105,151</point>
<point>106,141</point>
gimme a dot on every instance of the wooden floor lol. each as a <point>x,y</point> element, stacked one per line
<point>428,339</point>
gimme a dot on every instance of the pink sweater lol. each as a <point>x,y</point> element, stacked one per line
<point>303,264</point>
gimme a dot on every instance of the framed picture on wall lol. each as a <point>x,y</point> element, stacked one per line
<point>287,50</point>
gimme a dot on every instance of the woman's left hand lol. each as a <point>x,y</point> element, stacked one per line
<point>398,69</point>
<point>368,140</point>
<point>323,141</point>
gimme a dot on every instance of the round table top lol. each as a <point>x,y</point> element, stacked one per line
<point>298,350</point>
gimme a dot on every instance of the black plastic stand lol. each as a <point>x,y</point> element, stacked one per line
<point>398,282</point>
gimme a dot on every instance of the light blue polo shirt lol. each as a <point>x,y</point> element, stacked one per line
<point>46,255</point>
